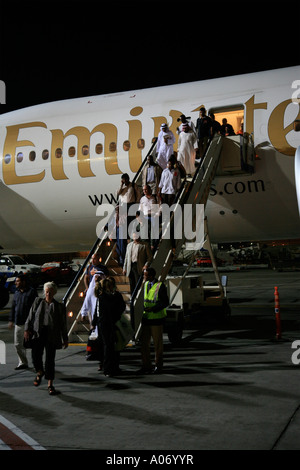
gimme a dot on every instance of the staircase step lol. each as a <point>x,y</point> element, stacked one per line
<point>123,288</point>
<point>121,279</point>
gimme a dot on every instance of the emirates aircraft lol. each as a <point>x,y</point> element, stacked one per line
<point>59,161</point>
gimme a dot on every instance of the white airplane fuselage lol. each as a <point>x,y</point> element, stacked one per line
<point>60,160</point>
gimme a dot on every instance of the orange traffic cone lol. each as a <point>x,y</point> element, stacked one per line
<point>277,314</point>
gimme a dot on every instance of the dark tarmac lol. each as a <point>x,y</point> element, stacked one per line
<point>230,386</point>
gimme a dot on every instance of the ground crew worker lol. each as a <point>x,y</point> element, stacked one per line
<point>155,303</point>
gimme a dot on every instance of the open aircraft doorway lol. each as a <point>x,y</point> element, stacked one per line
<point>234,116</point>
<point>237,156</point>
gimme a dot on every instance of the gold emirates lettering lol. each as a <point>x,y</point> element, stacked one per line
<point>276,130</point>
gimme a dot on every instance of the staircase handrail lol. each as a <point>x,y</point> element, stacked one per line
<point>99,241</point>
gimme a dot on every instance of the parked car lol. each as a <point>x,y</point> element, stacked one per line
<point>60,272</point>
<point>16,264</point>
<point>11,265</point>
<point>205,262</point>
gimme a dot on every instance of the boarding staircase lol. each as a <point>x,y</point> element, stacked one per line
<point>78,328</point>
<point>193,191</point>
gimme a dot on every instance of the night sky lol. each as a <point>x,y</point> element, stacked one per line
<point>72,49</point>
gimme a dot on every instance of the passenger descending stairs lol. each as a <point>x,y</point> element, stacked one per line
<point>79,329</point>
<point>193,191</point>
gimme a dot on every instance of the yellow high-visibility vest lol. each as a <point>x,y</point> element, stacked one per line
<point>150,298</point>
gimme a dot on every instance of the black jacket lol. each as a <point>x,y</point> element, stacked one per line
<point>109,309</point>
<point>21,305</point>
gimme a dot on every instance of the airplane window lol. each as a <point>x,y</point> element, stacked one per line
<point>19,157</point>
<point>99,149</point>
<point>85,150</point>
<point>140,144</point>
<point>32,156</point>
<point>45,154</point>
<point>71,151</point>
<point>7,158</point>
<point>112,147</point>
<point>126,145</point>
<point>58,153</point>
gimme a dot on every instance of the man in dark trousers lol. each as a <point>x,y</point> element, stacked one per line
<point>155,302</point>
<point>22,302</point>
<point>204,130</point>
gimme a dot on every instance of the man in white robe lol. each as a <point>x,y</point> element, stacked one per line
<point>187,147</point>
<point>88,310</point>
<point>164,147</point>
<point>185,120</point>
<point>89,304</point>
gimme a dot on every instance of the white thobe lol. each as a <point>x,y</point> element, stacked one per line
<point>187,145</point>
<point>89,304</point>
<point>190,123</point>
<point>164,150</point>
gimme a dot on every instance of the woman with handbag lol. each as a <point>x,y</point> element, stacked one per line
<point>109,308</point>
<point>46,325</point>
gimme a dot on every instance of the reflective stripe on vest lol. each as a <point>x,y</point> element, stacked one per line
<point>150,298</point>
